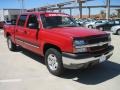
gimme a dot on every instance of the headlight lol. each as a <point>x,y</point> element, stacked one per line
<point>77,44</point>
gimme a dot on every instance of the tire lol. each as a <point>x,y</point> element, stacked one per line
<point>11,45</point>
<point>118,32</point>
<point>53,61</point>
<point>90,26</point>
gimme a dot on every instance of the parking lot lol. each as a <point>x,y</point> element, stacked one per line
<point>22,70</point>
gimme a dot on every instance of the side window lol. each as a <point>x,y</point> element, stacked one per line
<point>99,22</point>
<point>111,22</point>
<point>32,22</point>
<point>117,22</point>
<point>22,20</point>
<point>43,20</point>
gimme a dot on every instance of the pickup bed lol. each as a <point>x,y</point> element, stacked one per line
<point>58,38</point>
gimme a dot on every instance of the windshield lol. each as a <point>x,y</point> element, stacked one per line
<point>57,21</point>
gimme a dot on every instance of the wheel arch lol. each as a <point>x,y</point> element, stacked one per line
<point>117,30</point>
<point>8,34</point>
<point>48,45</point>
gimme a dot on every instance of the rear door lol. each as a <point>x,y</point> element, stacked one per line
<point>31,36</point>
<point>20,30</point>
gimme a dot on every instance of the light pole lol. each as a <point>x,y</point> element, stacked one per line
<point>80,6</point>
<point>22,5</point>
<point>107,9</point>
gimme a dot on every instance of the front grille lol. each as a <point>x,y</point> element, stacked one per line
<point>95,40</point>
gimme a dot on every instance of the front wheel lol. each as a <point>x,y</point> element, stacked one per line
<point>118,32</point>
<point>53,59</point>
<point>11,45</point>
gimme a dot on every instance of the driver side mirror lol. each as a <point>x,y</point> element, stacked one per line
<point>33,26</point>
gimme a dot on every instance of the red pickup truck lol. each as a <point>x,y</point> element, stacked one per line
<point>58,38</point>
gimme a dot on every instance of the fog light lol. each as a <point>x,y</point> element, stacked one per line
<point>77,50</point>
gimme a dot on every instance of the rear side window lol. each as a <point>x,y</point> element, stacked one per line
<point>22,20</point>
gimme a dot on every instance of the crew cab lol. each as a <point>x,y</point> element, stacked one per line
<point>58,38</point>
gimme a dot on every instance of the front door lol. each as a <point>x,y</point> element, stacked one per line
<point>32,33</point>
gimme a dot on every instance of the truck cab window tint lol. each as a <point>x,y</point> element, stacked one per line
<point>32,22</point>
<point>22,20</point>
<point>57,21</point>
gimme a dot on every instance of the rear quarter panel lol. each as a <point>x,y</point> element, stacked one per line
<point>9,29</point>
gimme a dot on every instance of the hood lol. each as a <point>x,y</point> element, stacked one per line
<point>116,26</point>
<point>76,31</point>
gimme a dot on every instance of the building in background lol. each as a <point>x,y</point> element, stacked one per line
<point>9,14</point>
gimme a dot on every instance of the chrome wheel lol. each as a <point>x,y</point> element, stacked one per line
<point>10,44</point>
<point>52,62</point>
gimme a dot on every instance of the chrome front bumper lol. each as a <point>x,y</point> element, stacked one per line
<point>71,62</point>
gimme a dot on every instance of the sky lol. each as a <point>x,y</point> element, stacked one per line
<point>38,3</point>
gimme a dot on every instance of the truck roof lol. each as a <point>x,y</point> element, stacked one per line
<point>43,13</point>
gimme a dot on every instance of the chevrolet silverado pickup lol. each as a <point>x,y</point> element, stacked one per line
<point>58,38</point>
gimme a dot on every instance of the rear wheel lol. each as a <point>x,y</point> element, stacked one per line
<point>53,59</point>
<point>11,45</point>
<point>118,32</point>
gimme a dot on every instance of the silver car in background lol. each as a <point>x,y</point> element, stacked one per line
<point>94,23</point>
<point>116,29</point>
